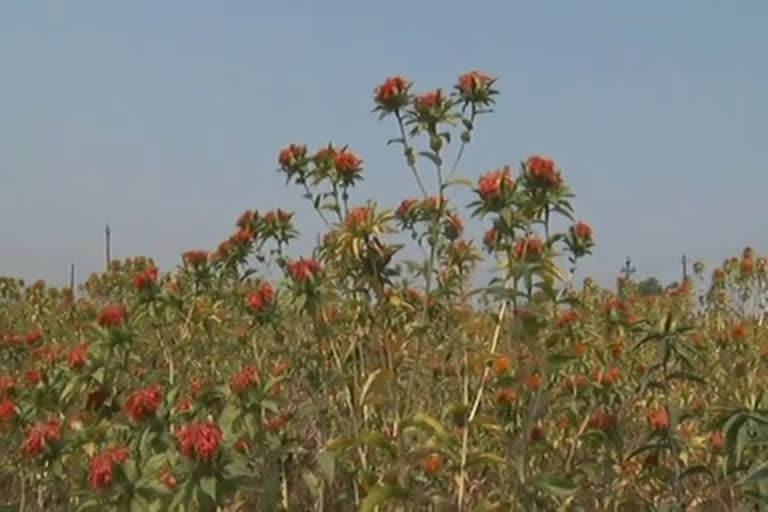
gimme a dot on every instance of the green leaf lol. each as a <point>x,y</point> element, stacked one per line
<point>435,159</point>
<point>381,494</point>
<point>238,470</point>
<point>327,463</point>
<point>422,419</point>
<point>88,505</point>
<point>154,491</point>
<point>699,469</point>
<point>98,375</point>
<point>183,495</point>
<point>757,474</point>
<point>375,382</point>
<point>208,486</point>
<point>556,485</point>
<point>228,416</point>
<point>557,360</point>
<point>686,376</point>
<point>70,388</point>
<point>487,458</point>
<point>378,440</point>
<point>647,447</point>
<point>487,506</point>
<point>645,340</point>
<point>458,181</point>
<point>312,483</point>
<point>758,419</point>
<point>733,441</point>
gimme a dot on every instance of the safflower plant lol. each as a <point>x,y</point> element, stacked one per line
<point>364,380</point>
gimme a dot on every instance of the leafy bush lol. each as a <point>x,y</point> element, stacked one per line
<point>366,381</point>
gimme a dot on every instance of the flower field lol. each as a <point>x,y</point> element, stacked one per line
<point>359,379</point>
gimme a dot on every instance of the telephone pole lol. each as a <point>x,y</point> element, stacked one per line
<point>72,278</point>
<point>108,244</point>
<point>628,269</point>
<point>684,261</point>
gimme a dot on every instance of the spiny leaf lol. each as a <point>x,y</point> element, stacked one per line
<point>381,494</point>
<point>647,447</point>
<point>699,469</point>
<point>435,159</point>
<point>375,382</point>
<point>559,486</point>
<point>757,474</point>
<point>686,376</point>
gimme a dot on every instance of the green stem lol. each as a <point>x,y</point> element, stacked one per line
<point>317,208</point>
<point>409,157</point>
<point>455,165</point>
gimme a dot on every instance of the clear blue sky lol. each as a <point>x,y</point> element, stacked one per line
<point>165,118</point>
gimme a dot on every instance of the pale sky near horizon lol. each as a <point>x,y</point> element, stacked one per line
<point>165,118</point>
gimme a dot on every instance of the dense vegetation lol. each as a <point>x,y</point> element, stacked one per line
<point>364,381</point>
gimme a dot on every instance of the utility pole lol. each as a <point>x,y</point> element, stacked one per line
<point>627,269</point>
<point>108,244</point>
<point>72,278</point>
<point>684,261</point>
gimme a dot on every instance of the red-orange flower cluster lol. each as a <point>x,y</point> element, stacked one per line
<point>33,336</point>
<point>143,403</point>
<point>738,332</point>
<point>358,216</point>
<point>581,231</point>
<point>393,93</point>
<point>429,101</point>
<point>102,466</point>
<point>112,315</point>
<point>506,396</point>
<point>199,440</point>
<point>473,84</point>
<point>542,172</point>
<point>145,278</point>
<point>529,248</point>
<point>491,185</point>
<point>78,356</point>
<point>453,227</point>
<point>262,298</point>
<point>659,419</point>
<point>602,420</point>
<point>33,376</point>
<point>247,378</point>
<point>432,464</point>
<point>491,238</point>
<point>195,258</point>
<point>303,269</point>
<point>405,208</point>
<point>7,409</point>
<point>40,435</point>
<point>348,163</point>
<point>291,155</point>
<point>567,318</point>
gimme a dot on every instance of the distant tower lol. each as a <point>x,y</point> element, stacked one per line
<point>108,244</point>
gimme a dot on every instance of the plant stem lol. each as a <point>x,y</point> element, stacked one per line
<point>464,435</point>
<point>455,165</point>
<point>23,491</point>
<point>486,372</point>
<point>409,155</point>
<point>317,208</point>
